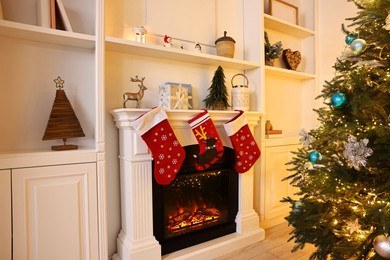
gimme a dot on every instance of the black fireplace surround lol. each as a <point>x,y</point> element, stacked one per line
<point>198,205</point>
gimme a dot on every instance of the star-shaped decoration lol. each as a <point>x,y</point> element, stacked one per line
<point>354,226</point>
<point>59,82</point>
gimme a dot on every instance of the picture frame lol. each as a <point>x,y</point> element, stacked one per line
<point>285,11</point>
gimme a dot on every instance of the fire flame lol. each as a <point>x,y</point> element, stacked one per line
<point>193,219</point>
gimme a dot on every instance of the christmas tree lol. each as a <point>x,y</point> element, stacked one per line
<point>343,168</point>
<point>218,96</point>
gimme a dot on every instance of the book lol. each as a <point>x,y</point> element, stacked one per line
<point>53,14</point>
<point>1,12</point>
<point>44,13</point>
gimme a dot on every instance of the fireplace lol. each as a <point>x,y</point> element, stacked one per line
<point>198,205</point>
<point>136,240</point>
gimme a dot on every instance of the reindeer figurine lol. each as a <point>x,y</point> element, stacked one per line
<point>204,159</point>
<point>137,96</point>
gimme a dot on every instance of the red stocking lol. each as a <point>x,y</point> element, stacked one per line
<point>210,145</point>
<point>158,135</point>
<point>245,147</point>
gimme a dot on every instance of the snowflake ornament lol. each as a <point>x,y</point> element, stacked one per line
<point>306,139</point>
<point>356,152</point>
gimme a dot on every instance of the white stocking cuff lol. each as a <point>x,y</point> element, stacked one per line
<point>235,124</point>
<point>149,120</point>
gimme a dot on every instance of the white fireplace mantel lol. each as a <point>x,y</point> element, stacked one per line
<point>135,240</point>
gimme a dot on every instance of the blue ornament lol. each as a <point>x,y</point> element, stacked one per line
<point>338,100</point>
<point>314,156</point>
<point>358,46</point>
<point>350,38</point>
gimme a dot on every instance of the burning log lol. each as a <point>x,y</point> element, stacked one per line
<point>189,219</point>
<point>205,214</point>
<point>179,218</point>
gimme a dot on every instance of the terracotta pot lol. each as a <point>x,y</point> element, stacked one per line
<point>218,105</point>
<point>269,62</point>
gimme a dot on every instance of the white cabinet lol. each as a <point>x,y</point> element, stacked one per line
<point>273,210</point>
<point>54,213</point>
<point>5,215</point>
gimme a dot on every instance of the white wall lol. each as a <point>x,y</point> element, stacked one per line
<point>332,14</point>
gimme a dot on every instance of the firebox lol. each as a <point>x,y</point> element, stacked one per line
<point>198,205</point>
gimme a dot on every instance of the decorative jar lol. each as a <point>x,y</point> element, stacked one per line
<point>225,46</point>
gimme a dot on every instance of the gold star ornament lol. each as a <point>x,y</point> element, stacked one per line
<point>59,82</point>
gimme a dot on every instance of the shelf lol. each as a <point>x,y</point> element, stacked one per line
<point>288,73</point>
<point>45,35</point>
<point>33,158</point>
<point>279,25</point>
<point>156,51</point>
<point>282,140</point>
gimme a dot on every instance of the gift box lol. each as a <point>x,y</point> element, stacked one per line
<point>175,95</point>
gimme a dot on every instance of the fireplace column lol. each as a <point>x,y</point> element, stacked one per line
<point>135,240</point>
<point>247,218</point>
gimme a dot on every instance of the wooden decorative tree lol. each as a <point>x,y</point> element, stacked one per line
<point>217,99</point>
<point>63,122</point>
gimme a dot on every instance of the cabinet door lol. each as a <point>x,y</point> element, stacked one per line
<point>5,214</point>
<point>55,213</point>
<point>276,189</point>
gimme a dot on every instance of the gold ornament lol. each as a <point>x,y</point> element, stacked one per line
<point>353,226</point>
<point>382,246</point>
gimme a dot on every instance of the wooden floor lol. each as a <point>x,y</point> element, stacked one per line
<point>274,247</point>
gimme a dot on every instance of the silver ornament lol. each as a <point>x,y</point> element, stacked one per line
<point>358,46</point>
<point>297,206</point>
<point>382,246</point>
<point>348,55</point>
<point>356,152</point>
<point>306,139</point>
<point>387,23</point>
<point>369,63</point>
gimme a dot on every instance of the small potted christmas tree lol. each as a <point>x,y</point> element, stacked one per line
<point>217,99</point>
<point>272,51</point>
